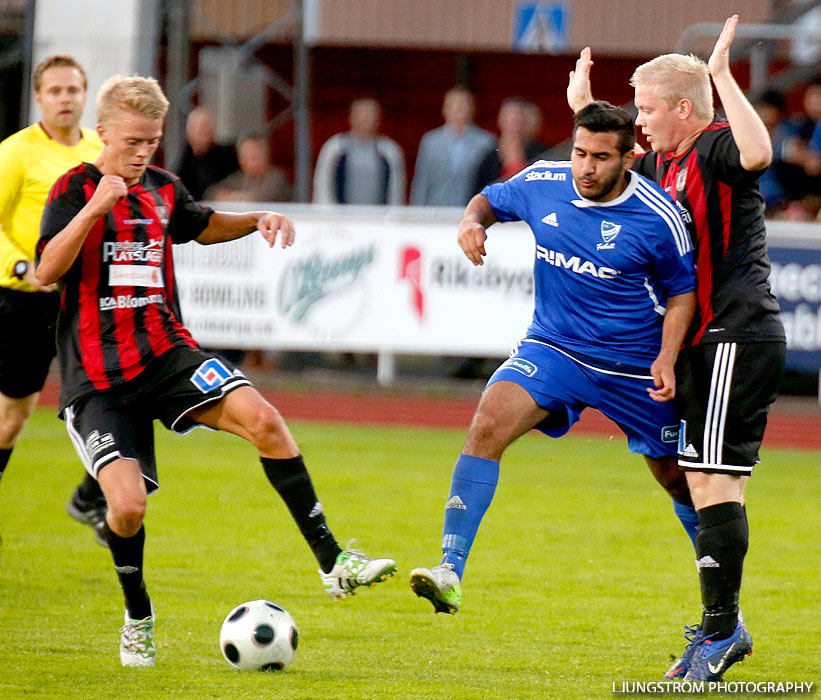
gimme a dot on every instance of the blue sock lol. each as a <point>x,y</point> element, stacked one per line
<point>689,519</point>
<point>471,491</point>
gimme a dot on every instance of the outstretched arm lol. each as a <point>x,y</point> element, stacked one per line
<point>680,309</point>
<point>749,131</point>
<point>226,226</point>
<point>472,234</point>
<point>579,93</point>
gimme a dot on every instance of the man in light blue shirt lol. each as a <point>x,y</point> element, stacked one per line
<point>450,155</point>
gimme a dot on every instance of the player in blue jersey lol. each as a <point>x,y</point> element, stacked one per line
<point>614,284</point>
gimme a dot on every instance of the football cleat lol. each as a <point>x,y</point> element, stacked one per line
<point>440,585</point>
<point>137,641</point>
<point>682,665</point>
<point>91,513</point>
<point>713,657</point>
<point>353,569</point>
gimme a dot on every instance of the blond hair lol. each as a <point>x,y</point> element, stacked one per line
<point>56,62</point>
<point>677,77</point>
<point>133,94</point>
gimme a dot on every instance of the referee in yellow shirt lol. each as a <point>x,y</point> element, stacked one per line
<point>30,162</point>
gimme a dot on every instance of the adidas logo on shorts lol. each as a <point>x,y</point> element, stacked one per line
<point>689,451</point>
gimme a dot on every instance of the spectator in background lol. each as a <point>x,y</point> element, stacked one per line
<point>518,120</point>
<point>797,151</point>
<point>533,125</point>
<point>814,161</point>
<point>780,182</point>
<point>813,169</point>
<point>204,161</point>
<point>449,156</point>
<point>257,179</point>
<point>360,166</point>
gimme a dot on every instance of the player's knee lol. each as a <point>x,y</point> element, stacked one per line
<point>679,491</point>
<point>126,507</point>
<point>486,434</point>
<point>126,515</point>
<point>671,479</point>
<point>11,426</point>
<point>266,428</point>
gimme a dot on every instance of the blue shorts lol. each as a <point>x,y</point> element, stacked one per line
<point>565,386</point>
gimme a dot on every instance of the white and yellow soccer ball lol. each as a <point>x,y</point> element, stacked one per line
<point>259,635</point>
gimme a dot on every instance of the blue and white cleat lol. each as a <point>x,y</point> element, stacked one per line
<point>712,658</point>
<point>682,665</point>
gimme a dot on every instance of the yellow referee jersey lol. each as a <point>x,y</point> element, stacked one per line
<point>30,163</point>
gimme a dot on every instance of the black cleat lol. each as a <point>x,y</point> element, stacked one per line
<point>91,513</point>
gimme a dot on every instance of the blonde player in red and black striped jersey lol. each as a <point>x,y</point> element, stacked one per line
<point>730,368</point>
<point>126,359</point>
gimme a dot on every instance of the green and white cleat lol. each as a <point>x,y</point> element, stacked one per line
<point>137,642</point>
<point>353,569</point>
<point>440,585</point>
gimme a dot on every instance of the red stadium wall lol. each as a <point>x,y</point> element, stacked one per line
<point>410,84</point>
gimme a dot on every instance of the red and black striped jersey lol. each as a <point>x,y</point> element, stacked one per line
<point>724,213</point>
<point>119,307</point>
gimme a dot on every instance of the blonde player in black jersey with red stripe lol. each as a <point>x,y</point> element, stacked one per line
<point>729,370</point>
<point>126,359</point>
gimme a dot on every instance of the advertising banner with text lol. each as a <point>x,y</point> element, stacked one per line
<point>795,258</point>
<point>391,280</point>
<point>379,280</point>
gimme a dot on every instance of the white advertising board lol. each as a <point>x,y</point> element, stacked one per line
<point>361,279</point>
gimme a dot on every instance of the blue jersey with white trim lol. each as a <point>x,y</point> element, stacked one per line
<point>603,271</point>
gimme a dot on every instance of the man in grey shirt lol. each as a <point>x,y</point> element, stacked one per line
<point>360,166</point>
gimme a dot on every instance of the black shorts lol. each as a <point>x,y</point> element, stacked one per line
<point>724,392</point>
<point>118,423</point>
<point>28,321</point>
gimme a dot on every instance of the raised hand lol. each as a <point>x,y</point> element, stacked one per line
<point>579,93</point>
<point>720,58</point>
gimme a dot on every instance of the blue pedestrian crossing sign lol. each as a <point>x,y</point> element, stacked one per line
<point>541,27</point>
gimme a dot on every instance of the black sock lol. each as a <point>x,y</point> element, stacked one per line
<point>89,489</point>
<point>721,544</point>
<point>128,562</point>
<point>292,482</point>
<point>4,460</point>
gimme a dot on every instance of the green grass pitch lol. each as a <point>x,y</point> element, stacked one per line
<point>581,576</point>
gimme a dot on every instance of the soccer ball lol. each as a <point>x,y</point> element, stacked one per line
<point>259,635</point>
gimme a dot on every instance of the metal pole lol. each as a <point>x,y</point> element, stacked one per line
<point>759,65</point>
<point>177,79</point>
<point>302,109</point>
<point>28,58</point>
<point>148,35</point>
<point>385,368</point>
